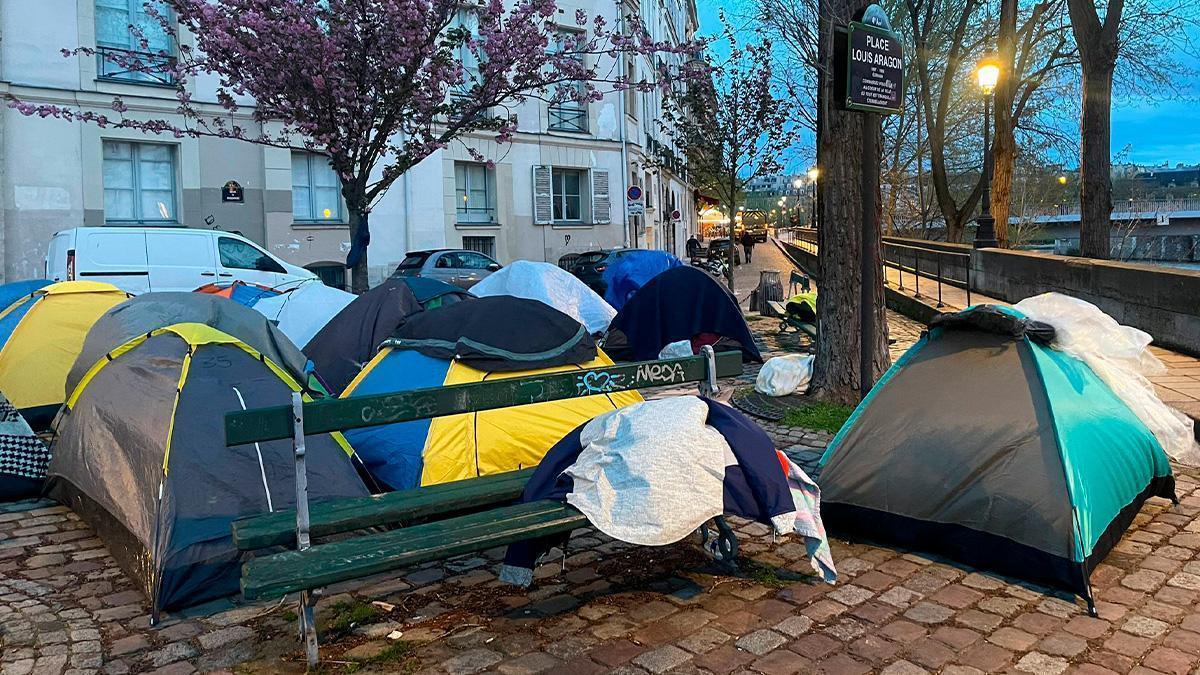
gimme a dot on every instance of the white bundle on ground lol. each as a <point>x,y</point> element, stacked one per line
<point>1120,356</point>
<point>784,375</point>
<point>677,350</point>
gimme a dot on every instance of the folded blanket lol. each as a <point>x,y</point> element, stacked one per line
<point>653,472</point>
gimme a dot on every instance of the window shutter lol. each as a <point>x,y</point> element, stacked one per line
<point>601,204</point>
<point>543,196</point>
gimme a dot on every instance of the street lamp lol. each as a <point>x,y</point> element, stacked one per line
<point>1062,180</point>
<point>988,74</point>
<point>813,174</point>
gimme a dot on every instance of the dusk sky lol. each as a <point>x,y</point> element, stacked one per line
<point>1154,132</point>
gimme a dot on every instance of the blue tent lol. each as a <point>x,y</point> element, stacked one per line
<point>10,293</point>
<point>433,293</point>
<point>633,270</point>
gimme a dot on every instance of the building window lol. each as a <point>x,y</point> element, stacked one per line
<point>474,194</point>
<point>139,182</point>
<point>631,93</point>
<point>568,195</point>
<point>331,274</point>
<point>121,28</point>
<point>316,190</point>
<point>571,114</point>
<point>484,245</point>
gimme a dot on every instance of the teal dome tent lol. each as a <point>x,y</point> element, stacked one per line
<point>986,445</point>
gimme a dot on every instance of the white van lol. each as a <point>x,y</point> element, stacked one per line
<point>142,259</point>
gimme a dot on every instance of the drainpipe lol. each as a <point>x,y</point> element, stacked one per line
<point>624,143</point>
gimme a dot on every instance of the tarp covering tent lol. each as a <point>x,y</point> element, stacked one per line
<point>141,458</point>
<point>433,293</point>
<point>450,448</point>
<point>351,338</point>
<point>40,336</point>
<point>146,313</point>
<point>633,270</point>
<point>680,304</point>
<point>553,286</point>
<point>304,310</point>
<point>1038,479</point>
<point>23,456</point>
<point>239,291</point>
<point>499,333</point>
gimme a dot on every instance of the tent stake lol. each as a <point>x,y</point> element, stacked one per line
<point>308,598</point>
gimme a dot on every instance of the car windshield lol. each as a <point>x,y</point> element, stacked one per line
<point>412,261</point>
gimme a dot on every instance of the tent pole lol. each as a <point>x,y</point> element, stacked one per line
<point>308,598</point>
<point>708,386</point>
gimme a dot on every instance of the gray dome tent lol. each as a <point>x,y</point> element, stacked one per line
<point>141,458</point>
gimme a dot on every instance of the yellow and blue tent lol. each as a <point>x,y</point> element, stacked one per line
<point>41,334</point>
<point>443,449</point>
<point>476,340</point>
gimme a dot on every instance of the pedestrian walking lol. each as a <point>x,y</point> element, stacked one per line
<point>693,247</point>
<point>747,242</point>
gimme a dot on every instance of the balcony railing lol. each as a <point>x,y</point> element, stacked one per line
<point>113,63</point>
<point>568,118</point>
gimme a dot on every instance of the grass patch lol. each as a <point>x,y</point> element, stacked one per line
<point>347,615</point>
<point>290,616</point>
<point>819,415</point>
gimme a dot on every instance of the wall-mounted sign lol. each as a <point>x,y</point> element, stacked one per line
<point>634,193</point>
<point>232,192</point>
<point>676,216</point>
<point>873,73</point>
<point>633,201</point>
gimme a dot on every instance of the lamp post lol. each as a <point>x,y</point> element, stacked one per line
<point>988,74</point>
<point>813,174</point>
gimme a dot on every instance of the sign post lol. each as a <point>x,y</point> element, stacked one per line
<point>633,201</point>
<point>871,77</point>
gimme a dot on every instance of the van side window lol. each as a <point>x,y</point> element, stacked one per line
<point>237,254</point>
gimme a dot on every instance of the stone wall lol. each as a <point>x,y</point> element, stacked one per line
<point>1162,301</point>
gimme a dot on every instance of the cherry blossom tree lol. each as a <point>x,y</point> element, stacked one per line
<point>374,85</point>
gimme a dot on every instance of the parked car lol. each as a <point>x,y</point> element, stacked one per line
<point>590,266</point>
<point>454,266</point>
<point>719,249</point>
<point>142,259</point>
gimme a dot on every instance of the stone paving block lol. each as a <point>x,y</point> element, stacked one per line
<point>530,664</point>
<point>704,640</point>
<point>662,659</point>
<point>851,595</point>
<point>1088,627</point>
<point>903,667</point>
<point>986,657</point>
<point>472,661</point>
<point>1144,626</point>
<point>760,642</point>
<point>1041,664</point>
<point>1166,660</point>
<point>929,613</point>
<point>929,653</point>
<point>723,659</point>
<point>1127,645</point>
<point>900,597</point>
<point>782,662</point>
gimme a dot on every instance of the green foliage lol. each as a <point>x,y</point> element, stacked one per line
<point>819,415</point>
<point>347,615</point>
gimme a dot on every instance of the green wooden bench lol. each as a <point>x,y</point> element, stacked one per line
<point>427,523</point>
<point>787,320</point>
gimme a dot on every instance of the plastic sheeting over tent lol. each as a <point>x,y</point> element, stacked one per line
<point>475,341</point>
<point>305,310</point>
<point>1038,479</point>
<point>553,286</point>
<point>632,271</point>
<point>146,313</point>
<point>141,458</point>
<point>41,335</point>
<point>499,333</point>
<point>680,304</point>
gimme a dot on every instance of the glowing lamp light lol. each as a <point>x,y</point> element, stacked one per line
<point>797,183</point>
<point>327,213</point>
<point>814,173</point>
<point>1062,180</point>
<point>988,74</point>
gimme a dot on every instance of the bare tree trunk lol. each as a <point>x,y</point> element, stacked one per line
<point>1004,147</point>
<point>732,251</point>
<point>839,151</point>
<point>1095,166</point>
<point>359,282</point>
<point>1098,48</point>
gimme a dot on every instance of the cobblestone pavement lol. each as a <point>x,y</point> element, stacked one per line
<point>605,606</point>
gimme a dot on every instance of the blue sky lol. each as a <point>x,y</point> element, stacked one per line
<point>1154,132</point>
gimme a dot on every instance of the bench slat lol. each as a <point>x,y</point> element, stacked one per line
<point>344,515</point>
<point>275,423</point>
<point>325,564</point>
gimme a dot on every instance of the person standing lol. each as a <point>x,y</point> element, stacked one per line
<point>747,242</point>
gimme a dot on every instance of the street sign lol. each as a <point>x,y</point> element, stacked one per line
<point>635,208</point>
<point>874,65</point>
<point>676,216</point>
<point>634,193</point>
<point>232,192</point>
